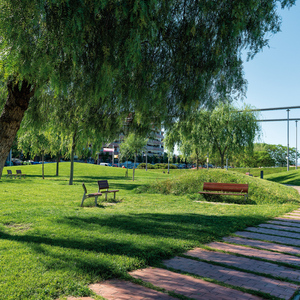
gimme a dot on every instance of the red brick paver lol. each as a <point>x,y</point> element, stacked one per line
<point>280,227</point>
<point>287,220</point>
<point>290,224</point>
<point>189,286</point>
<point>273,256</point>
<point>263,245</point>
<point>81,298</point>
<point>125,290</point>
<point>293,213</point>
<point>274,232</point>
<point>271,238</point>
<point>236,278</point>
<point>246,263</point>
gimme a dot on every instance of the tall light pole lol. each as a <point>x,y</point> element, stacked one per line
<point>288,138</point>
<point>296,147</point>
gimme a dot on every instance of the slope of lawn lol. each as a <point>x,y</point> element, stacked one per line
<point>256,171</point>
<point>260,191</point>
<point>51,247</point>
<point>290,177</point>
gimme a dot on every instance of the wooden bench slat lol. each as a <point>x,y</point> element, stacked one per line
<point>229,194</point>
<point>230,189</point>
<point>224,187</point>
<point>103,184</point>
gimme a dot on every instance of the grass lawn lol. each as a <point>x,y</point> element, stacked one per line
<point>290,177</point>
<point>51,247</point>
<point>256,171</point>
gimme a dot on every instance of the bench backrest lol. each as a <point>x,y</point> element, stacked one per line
<point>84,188</point>
<point>225,187</point>
<point>9,172</point>
<point>19,171</point>
<point>103,184</point>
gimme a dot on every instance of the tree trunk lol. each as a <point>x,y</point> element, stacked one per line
<point>222,160</point>
<point>72,158</point>
<point>12,115</point>
<point>57,164</point>
<point>43,165</point>
<point>197,158</point>
<point>133,167</point>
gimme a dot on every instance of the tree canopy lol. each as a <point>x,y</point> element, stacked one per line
<point>159,59</point>
<point>225,130</point>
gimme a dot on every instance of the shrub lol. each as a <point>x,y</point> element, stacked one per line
<point>143,166</point>
<point>164,166</point>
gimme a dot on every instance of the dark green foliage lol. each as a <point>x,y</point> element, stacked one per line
<point>143,166</point>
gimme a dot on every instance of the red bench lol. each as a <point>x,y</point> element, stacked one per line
<point>228,189</point>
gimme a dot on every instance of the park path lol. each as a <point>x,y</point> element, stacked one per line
<point>260,262</point>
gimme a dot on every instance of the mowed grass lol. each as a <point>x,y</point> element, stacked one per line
<point>256,171</point>
<point>290,177</point>
<point>51,247</point>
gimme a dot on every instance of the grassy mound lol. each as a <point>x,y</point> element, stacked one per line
<point>260,191</point>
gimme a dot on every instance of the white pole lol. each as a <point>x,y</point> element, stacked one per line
<point>288,138</point>
<point>296,147</point>
<point>146,160</point>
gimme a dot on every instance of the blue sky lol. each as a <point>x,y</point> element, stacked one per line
<point>274,79</point>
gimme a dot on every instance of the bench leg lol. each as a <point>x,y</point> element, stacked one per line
<point>105,196</point>
<point>96,198</point>
<point>82,199</point>
<point>114,195</point>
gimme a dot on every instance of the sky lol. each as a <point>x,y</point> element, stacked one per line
<point>274,80</point>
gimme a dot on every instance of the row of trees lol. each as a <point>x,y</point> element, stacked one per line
<point>224,130</point>
<point>91,63</point>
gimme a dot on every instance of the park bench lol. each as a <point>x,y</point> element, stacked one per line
<point>228,189</point>
<point>19,173</point>
<point>86,195</point>
<point>10,174</point>
<point>103,185</point>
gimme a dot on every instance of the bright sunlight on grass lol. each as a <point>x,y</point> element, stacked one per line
<point>51,247</point>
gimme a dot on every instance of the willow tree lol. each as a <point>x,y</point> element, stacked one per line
<point>226,130</point>
<point>133,144</point>
<point>134,55</point>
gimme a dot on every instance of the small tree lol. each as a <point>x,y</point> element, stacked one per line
<point>133,145</point>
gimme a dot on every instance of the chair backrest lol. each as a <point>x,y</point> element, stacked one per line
<point>19,172</point>
<point>9,172</point>
<point>103,184</point>
<point>84,188</point>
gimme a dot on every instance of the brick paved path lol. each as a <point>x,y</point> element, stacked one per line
<point>271,238</point>
<point>291,224</point>
<point>268,255</point>
<point>274,232</point>
<point>288,220</point>
<point>277,241</point>
<point>263,245</point>
<point>189,286</point>
<point>246,263</point>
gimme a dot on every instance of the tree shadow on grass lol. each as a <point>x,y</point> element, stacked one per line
<point>144,238</point>
<point>292,179</point>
